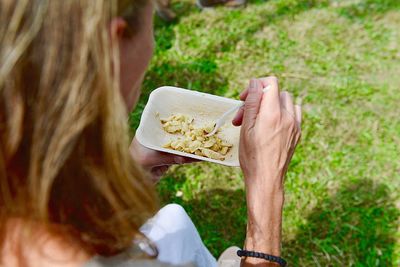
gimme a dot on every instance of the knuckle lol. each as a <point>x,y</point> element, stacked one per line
<point>273,78</point>
<point>290,122</point>
<point>269,80</point>
<point>274,117</point>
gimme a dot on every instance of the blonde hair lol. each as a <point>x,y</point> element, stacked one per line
<point>64,154</point>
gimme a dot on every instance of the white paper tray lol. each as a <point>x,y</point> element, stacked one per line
<point>168,100</point>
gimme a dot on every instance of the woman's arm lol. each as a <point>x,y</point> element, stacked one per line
<point>269,134</point>
<point>264,227</point>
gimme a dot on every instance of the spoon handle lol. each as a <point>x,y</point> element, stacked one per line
<point>236,108</point>
<point>224,116</point>
<point>230,111</point>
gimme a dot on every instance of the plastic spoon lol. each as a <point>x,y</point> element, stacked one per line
<point>221,121</point>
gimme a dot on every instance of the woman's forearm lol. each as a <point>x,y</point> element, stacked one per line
<point>264,224</point>
<point>269,134</point>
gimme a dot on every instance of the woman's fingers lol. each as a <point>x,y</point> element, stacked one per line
<point>171,159</point>
<point>271,100</point>
<point>244,94</point>
<point>272,94</point>
<point>157,172</point>
<point>237,120</point>
<point>252,103</point>
<point>189,160</point>
<point>157,159</point>
<point>298,114</point>
<point>285,100</point>
<point>293,110</point>
<point>287,103</point>
<point>265,81</point>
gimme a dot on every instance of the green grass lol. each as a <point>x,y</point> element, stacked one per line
<point>342,59</point>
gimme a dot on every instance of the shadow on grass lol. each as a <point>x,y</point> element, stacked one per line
<point>356,227</point>
<point>221,218</point>
<point>219,215</point>
<point>366,8</point>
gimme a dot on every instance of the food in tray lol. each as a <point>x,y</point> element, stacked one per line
<point>194,140</point>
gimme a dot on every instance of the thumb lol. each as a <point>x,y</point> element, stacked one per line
<point>252,103</point>
<point>162,158</point>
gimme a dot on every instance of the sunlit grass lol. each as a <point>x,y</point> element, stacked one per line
<point>341,58</point>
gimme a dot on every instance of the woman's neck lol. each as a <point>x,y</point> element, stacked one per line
<point>31,244</point>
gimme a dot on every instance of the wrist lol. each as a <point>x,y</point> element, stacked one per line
<point>259,259</point>
<point>264,208</point>
<point>264,194</point>
<point>264,233</point>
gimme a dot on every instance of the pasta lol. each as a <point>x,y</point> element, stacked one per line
<point>194,140</point>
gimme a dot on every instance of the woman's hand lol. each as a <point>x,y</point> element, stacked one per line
<point>156,162</point>
<point>270,130</point>
<point>269,134</point>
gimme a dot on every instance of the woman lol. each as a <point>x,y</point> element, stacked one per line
<point>70,190</point>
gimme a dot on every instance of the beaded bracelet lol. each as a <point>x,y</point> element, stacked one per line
<point>254,254</point>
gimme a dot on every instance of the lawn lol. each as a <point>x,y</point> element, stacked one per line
<point>341,58</point>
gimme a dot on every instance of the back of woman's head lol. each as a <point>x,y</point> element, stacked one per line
<point>64,154</point>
